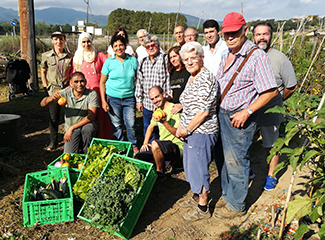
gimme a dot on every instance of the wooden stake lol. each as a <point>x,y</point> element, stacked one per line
<point>273,216</point>
<point>309,69</point>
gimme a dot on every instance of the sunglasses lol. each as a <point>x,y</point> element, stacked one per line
<point>150,46</point>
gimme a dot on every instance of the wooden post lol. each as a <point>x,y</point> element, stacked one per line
<point>281,39</point>
<point>27,38</point>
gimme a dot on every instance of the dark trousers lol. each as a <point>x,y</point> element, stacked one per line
<point>147,116</point>
<point>54,122</point>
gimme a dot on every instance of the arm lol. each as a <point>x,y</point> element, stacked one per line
<point>51,99</point>
<point>43,76</point>
<point>194,124</point>
<point>176,108</point>
<point>239,118</point>
<point>139,89</point>
<point>145,145</point>
<point>169,127</point>
<point>287,92</point>
<point>89,118</point>
<point>102,88</point>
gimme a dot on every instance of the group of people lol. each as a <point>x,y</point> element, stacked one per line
<point>213,98</point>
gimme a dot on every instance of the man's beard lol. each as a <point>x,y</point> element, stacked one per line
<point>263,47</point>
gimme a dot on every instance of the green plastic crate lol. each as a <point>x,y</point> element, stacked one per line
<point>74,172</point>
<point>139,201</point>
<point>47,211</point>
<point>120,145</point>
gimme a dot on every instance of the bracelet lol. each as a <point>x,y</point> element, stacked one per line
<point>188,132</point>
<point>249,111</point>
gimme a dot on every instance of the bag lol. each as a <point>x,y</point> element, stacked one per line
<point>17,71</point>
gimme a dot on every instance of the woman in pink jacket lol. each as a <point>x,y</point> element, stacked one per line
<point>89,61</point>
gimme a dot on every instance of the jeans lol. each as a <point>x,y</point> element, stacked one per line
<point>235,171</point>
<point>123,109</point>
<point>147,116</point>
<point>84,133</point>
<point>54,122</point>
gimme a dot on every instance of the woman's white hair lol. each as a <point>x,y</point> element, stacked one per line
<point>192,46</point>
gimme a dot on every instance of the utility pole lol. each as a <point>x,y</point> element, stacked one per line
<point>87,2</point>
<point>27,38</point>
<point>242,8</point>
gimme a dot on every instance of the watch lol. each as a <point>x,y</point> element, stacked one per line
<point>188,132</point>
<point>249,111</point>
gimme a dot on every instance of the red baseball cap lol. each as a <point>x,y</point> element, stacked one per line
<point>232,22</point>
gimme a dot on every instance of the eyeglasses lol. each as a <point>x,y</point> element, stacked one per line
<point>190,35</point>
<point>193,59</point>
<point>151,46</point>
<point>86,41</point>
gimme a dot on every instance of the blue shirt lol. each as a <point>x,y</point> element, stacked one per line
<point>120,82</point>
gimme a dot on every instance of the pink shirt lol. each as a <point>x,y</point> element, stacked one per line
<point>92,71</point>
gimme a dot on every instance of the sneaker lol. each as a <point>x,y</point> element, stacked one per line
<point>251,174</point>
<point>168,167</point>
<point>52,146</point>
<point>196,214</point>
<point>270,183</point>
<point>188,203</point>
<point>221,202</point>
<point>226,212</point>
<point>135,150</point>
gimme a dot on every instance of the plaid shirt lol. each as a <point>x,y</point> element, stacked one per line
<point>255,78</point>
<point>150,75</point>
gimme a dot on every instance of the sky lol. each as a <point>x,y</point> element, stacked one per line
<point>216,9</point>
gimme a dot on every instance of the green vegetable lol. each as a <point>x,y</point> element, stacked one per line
<point>97,157</point>
<point>107,204</point>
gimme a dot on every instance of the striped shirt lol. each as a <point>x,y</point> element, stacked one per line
<point>201,95</point>
<point>150,75</point>
<point>255,78</point>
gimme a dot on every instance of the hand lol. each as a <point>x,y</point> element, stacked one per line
<point>105,106</point>
<point>56,96</point>
<point>145,147</point>
<point>239,118</point>
<point>67,135</point>
<point>181,132</point>
<point>161,120</point>
<point>176,108</point>
<point>140,107</point>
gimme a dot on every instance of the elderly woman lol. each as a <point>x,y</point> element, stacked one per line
<point>117,90</point>
<point>178,77</point>
<point>89,61</point>
<point>198,129</point>
<point>123,33</point>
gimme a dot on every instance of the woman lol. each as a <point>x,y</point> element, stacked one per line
<point>178,77</point>
<point>117,84</point>
<point>123,33</point>
<point>198,129</point>
<point>89,61</point>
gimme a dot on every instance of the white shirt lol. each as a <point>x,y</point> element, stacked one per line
<point>212,60</point>
<point>128,50</point>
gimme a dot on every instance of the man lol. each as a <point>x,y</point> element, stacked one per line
<point>252,89</point>
<point>152,71</point>
<point>141,51</point>
<point>286,82</point>
<point>168,148</point>
<point>215,47</point>
<point>55,72</point>
<point>179,36</point>
<point>191,35</point>
<point>80,113</point>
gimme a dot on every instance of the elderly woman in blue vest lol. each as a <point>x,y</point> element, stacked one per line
<point>117,90</point>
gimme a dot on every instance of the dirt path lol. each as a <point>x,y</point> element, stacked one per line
<point>161,217</point>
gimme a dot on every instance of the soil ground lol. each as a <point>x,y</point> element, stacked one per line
<point>161,217</point>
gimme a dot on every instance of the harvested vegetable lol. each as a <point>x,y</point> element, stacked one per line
<point>107,204</point>
<point>97,157</point>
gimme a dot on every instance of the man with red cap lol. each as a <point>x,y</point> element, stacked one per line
<point>252,88</point>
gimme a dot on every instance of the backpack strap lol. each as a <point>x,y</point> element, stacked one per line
<point>235,74</point>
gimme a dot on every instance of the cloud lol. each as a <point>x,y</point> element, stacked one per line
<point>306,1</point>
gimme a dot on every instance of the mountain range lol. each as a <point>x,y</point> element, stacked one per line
<point>70,16</point>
